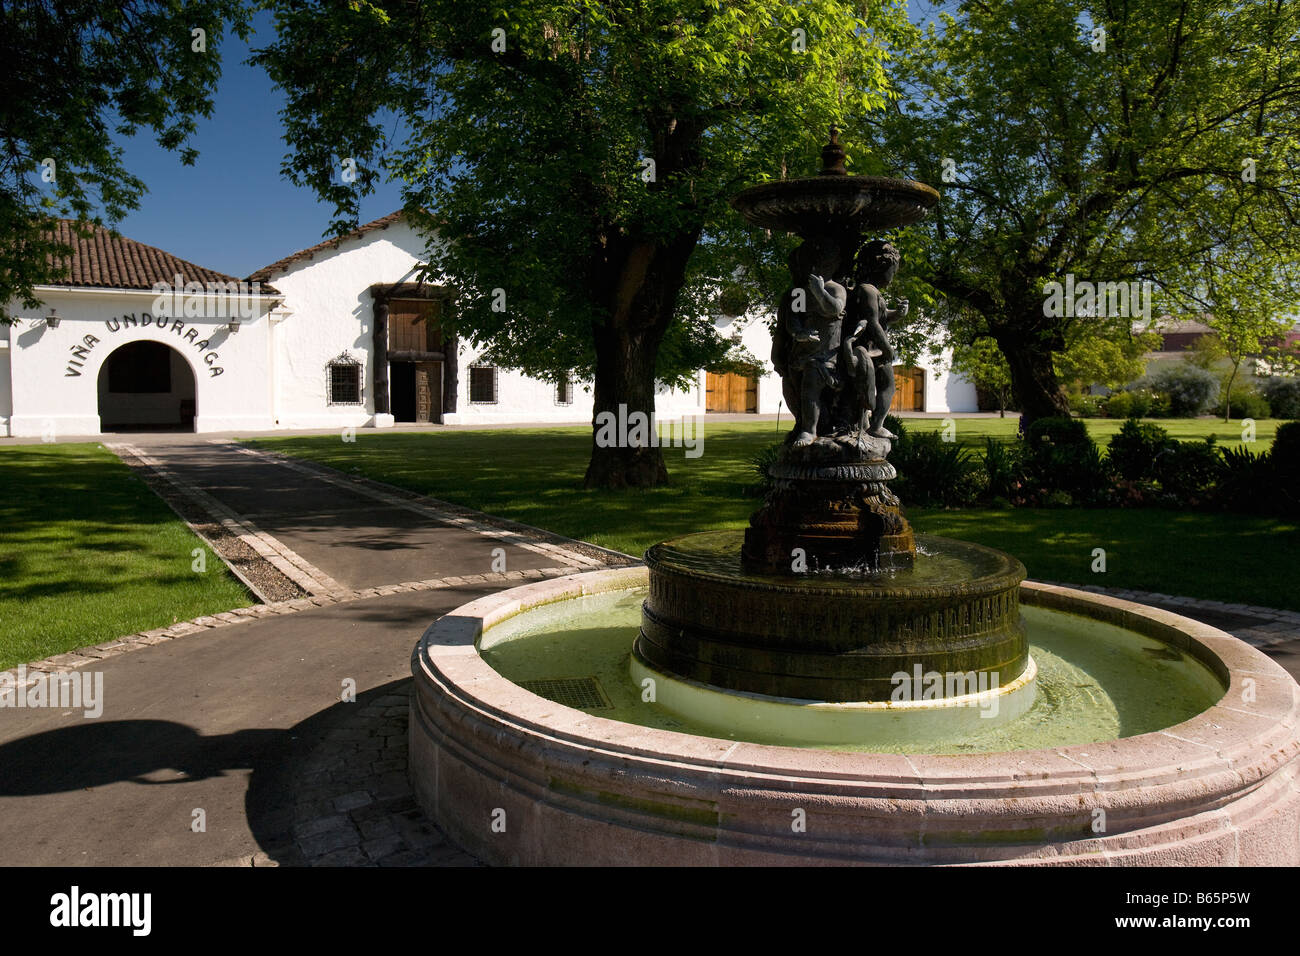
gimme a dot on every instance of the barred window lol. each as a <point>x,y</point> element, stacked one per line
<point>345,382</point>
<point>564,392</point>
<point>483,384</point>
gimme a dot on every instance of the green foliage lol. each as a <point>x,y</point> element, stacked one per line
<point>983,363</point>
<point>78,74</point>
<point>1282,395</point>
<point>1189,470</point>
<point>532,158</point>
<point>1189,390</point>
<point>1085,406</point>
<point>1131,404</point>
<point>1133,452</point>
<point>1091,359</point>
<point>1117,165</point>
<point>932,471</point>
<point>1056,431</point>
<point>895,424</point>
<point>1004,464</point>
<point>761,461</point>
<point>1244,403</point>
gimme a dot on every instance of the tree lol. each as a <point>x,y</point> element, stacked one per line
<point>984,364</point>
<point>76,73</point>
<point>1091,359</point>
<point>575,156</point>
<point>1095,141</point>
<point>1245,298</point>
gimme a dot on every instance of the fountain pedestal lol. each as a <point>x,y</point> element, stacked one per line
<point>829,515</point>
<point>831,637</point>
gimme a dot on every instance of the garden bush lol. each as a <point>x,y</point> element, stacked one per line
<point>1134,449</point>
<point>1246,481</point>
<point>1189,390</point>
<point>1283,396</point>
<point>1057,430</point>
<point>1004,468</point>
<point>1284,463</point>
<point>932,471</point>
<point>1135,403</point>
<point>1189,471</point>
<point>1086,406</point>
<point>1245,403</point>
<point>1062,459</point>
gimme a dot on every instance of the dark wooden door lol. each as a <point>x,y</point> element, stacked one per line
<point>428,391</point>
<point>909,389</point>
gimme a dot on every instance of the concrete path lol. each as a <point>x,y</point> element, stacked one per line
<point>234,745</point>
<point>229,741</point>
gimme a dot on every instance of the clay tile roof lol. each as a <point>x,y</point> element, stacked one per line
<point>302,255</point>
<point>103,260</point>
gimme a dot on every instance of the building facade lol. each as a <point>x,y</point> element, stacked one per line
<point>336,335</point>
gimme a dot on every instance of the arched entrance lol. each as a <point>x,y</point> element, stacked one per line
<point>146,386</point>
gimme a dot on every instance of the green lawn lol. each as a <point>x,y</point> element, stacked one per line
<point>534,475</point>
<point>90,553</point>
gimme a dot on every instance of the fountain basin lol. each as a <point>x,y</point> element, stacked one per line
<point>516,778</point>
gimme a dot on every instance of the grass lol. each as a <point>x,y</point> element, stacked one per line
<point>534,475</point>
<point>90,554</point>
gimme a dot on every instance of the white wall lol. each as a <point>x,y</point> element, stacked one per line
<point>53,394</point>
<point>6,382</point>
<point>331,310</point>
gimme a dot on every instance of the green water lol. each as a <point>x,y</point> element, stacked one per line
<point>1096,681</point>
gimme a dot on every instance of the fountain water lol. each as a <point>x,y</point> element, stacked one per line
<point>829,686</point>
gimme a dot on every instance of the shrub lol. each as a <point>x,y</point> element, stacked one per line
<point>932,471</point>
<point>1057,430</point>
<point>760,462</point>
<point>1282,395</point>
<point>1284,463</point>
<point>1086,406</point>
<point>1188,471</point>
<point>1246,481</point>
<point>1188,390</point>
<point>894,424</point>
<point>1131,404</point>
<point>1245,403</point>
<point>1133,451</point>
<point>1061,457</point>
<point>1004,468</point>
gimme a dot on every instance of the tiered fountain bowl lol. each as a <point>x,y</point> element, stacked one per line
<point>926,706</point>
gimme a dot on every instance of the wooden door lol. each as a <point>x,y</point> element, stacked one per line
<point>428,391</point>
<point>729,392</point>
<point>413,326</point>
<point>909,390</point>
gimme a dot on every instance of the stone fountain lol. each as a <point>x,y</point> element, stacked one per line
<point>828,686</point>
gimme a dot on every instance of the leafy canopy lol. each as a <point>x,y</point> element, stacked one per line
<point>532,157</point>
<point>78,74</point>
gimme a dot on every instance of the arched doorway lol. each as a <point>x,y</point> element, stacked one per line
<point>146,386</point>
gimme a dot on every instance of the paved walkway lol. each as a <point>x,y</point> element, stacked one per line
<point>237,722</point>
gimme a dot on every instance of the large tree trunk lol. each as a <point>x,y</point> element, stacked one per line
<point>1033,374</point>
<point>624,389</point>
<point>643,286</point>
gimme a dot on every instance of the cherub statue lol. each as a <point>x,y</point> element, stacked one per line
<point>805,350</point>
<point>866,355</point>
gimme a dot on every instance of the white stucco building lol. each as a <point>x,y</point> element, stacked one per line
<point>334,335</point>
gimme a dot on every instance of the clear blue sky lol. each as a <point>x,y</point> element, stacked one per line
<point>232,211</point>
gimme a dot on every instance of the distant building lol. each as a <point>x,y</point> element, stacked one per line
<point>337,334</point>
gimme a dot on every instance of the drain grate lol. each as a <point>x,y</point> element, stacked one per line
<point>584,693</point>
